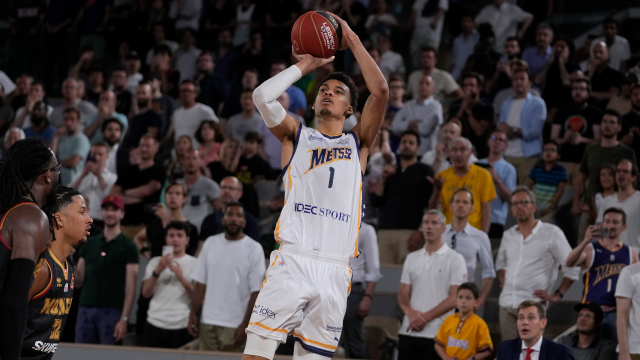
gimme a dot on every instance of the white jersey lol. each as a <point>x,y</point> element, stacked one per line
<point>323,188</point>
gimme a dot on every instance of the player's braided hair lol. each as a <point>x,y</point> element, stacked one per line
<point>24,162</point>
<point>342,77</point>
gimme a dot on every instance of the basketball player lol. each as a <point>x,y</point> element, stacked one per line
<point>602,260</point>
<point>306,287</point>
<point>52,291</point>
<point>28,180</point>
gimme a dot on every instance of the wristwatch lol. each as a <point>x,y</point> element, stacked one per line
<point>559,293</point>
<point>125,319</point>
<point>155,274</point>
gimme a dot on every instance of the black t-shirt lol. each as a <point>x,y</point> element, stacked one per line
<point>249,169</point>
<point>140,124</point>
<point>579,120</point>
<point>213,91</point>
<point>406,196</point>
<point>222,17</point>
<point>482,111</point>
<point>218,172</point>
<point>164,106</point>
<point>630,120</point>
<point>131,177</point>
<point>555,93</point>
<point>604,80</point>
<point>123,104</point>
<point>249,197</point>
<point>156,236</point>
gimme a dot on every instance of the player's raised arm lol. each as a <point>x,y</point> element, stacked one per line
<point>282,125</point>
<point>376,105</point>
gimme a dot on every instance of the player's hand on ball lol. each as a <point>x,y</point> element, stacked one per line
<point>345,31</point>
<point>307,61</point>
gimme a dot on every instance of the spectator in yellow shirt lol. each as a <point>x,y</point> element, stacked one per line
<point>464,335</point>
<point>464,175</point>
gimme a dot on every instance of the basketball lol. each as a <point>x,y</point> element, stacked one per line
<point>316,33</point>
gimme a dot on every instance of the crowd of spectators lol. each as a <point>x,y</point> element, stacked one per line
<point>148,108</point>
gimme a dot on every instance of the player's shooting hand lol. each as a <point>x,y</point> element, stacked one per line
<point>120,330</point>
<point>346,30</point>
<point>308,63</point>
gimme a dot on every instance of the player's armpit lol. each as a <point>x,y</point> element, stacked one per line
<point>286,131</point>
<point>42,279</point>
<point>372,119</point>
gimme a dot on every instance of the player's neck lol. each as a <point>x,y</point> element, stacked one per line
<point>60,248</point>
<point>330,127</point>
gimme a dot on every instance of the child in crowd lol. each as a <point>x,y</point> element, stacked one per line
<point>464,334</point>
<point>548,179</point>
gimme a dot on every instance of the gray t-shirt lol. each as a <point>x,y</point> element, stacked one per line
<point>238,126</point>
<point>628,286</point>
<point>201,194</point>
<point>599,348</point>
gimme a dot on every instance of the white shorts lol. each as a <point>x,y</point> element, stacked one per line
<point>304,295</point>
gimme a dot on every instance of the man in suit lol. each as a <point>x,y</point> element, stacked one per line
<point>532,345</point>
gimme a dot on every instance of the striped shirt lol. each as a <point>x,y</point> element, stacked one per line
<point>546,183</point>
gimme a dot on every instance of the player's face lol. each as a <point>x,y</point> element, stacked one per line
<point>529,324</point>
<point>462,205</point>
<point>333,99</point>
<point>178,239</point>
<point>465,301</point>
<point>174,197</point>
<point>432,228</point>
<point>614,222</point>
<point>233,220</point>
<point>586,321</point>
<point>74,221</point>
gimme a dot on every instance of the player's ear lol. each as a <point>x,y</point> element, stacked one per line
<point>58,219</point>
<point>349,111</point>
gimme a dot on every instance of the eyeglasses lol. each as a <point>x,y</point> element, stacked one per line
<point>228,188</point>
<point>522,203</point>
<point>495,138</point>
<point>453,241</point>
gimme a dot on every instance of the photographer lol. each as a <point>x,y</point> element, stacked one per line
<point>96,181</point>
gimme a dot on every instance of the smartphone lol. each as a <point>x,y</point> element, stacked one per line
<point>482,165</point>
<point>150,208</point>
<point>167,250</point>
<point>604,233</point>
<point>91,158</point>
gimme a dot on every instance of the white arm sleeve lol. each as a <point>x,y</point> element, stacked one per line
<point>266,94</point>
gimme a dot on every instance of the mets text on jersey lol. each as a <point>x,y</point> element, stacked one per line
<point>607,270</point>
<point>56,306</point>
<point>314,210</point>
<point>323,156</point>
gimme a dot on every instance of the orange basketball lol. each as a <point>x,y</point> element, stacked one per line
<point>316,33</point>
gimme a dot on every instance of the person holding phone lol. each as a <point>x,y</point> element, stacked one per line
<point>602,256</point>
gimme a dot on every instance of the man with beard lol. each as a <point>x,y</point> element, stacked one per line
<point>28,179</point>
<point>475,114</point>
<point>106,110</point>
<point>531,252</point>
<point>162,103</point>
<point>213,88</point>
<point>203,192</point>
<point>402,194</point>
<point>575,126</point>
<point>47,296</point>
<point>23,114</point>
<point>464,175</point>
<point>107,271</point>
<point>112,130</point>
<point>228,300</point>
<point>147,120</point>
<point>608,150</point>
<point>584,342</point>
<point>40,127</point>
<point>119,80</point>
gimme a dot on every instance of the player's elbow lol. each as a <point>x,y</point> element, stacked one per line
<point>380,89</point>
<point>259,96</point>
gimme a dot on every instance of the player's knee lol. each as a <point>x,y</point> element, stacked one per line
<point>259,347</point>
<point>299,353</point>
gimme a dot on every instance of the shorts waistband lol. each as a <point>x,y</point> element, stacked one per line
<point>311,254</point>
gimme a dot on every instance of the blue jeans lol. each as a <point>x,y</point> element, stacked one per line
<point>96,325</point>
<point>608,328</point>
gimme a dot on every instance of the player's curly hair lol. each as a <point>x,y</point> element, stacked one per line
<point>342,77</point>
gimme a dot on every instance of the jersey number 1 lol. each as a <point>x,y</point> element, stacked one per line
<point>332,170</point>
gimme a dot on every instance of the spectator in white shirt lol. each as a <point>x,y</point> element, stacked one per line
<point>203,191</point>
<point>628,199</point>
<point>438,157</point>
<point>186,57</point>
<point>230,271</point>
<point>463,45</point>
<point>471,243</point>
<point>167,281</point>
<point>95,181</point>
<point>528,260</point>
<point>422,115</point>
<point>132,64</point>
<point>186,13</point>
<point>112,131</point>
<point>428,287</point>
<point>390,61</point>
<point>365,274</point>
<point>23,114</point>
<point>619,51</point>
<point>504,18</point>
<point>70,98</point>
<point>427,17</point>
<point>186,119</point>
<point>628,312</point>
<point>445,84</point>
